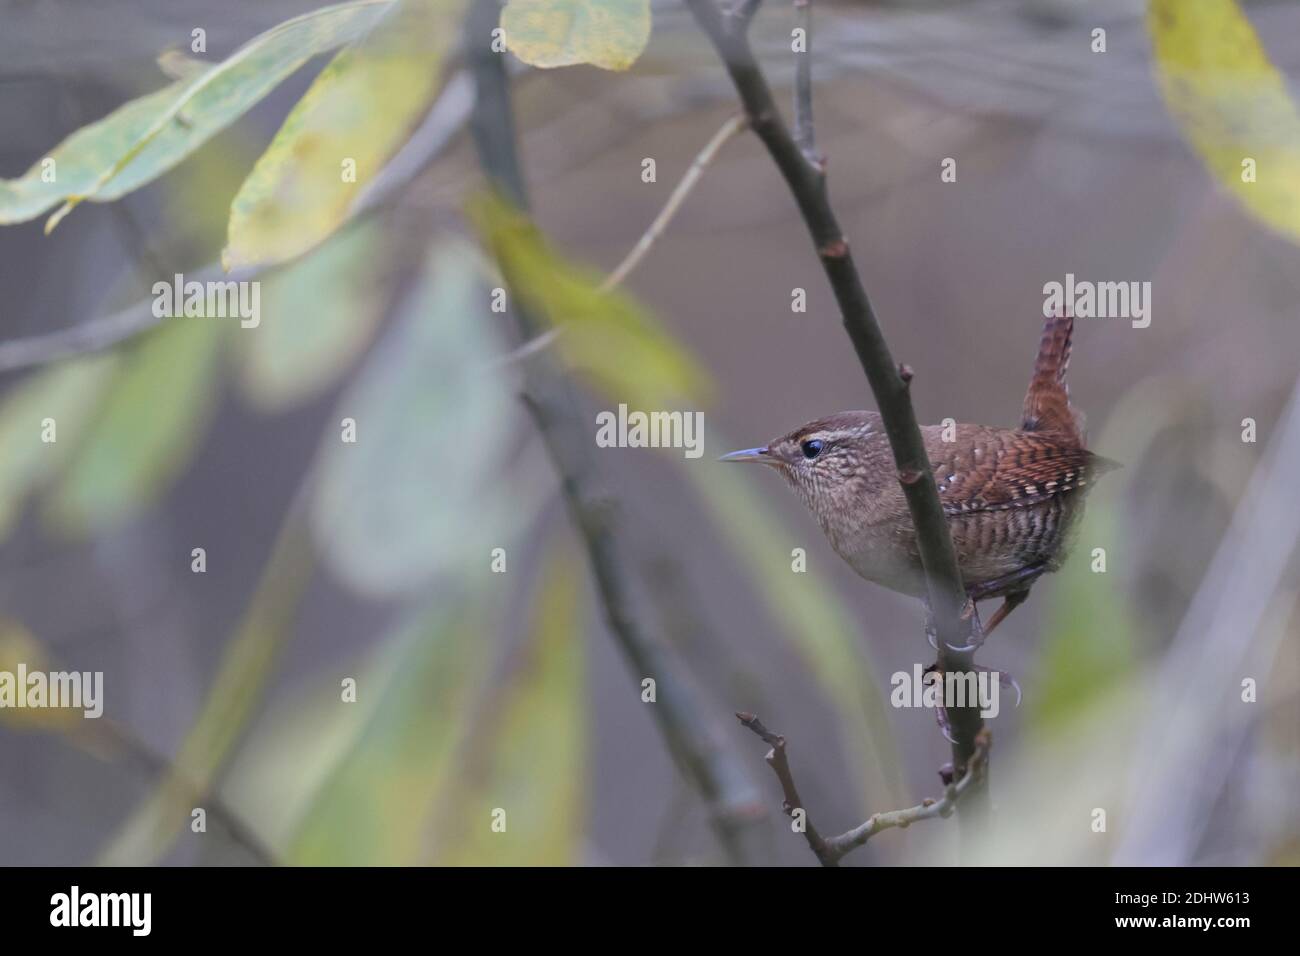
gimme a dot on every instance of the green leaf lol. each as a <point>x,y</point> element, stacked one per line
<point>375,804</point>
<point>425,483</point>
<point>354,117</point>
<point>530,759</point>
<point>1088,648</point>
<point>605,33</point>
<point>151,420</point>
<point>79,159</point>
<point>69,394</point>
<point>813,619</point>
<point>317,316</point>
<point>1231,103</point>
<point>150,135</point>
<point>605,334</point>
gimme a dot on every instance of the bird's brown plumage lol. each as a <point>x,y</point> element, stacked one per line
<point>1011,495</point>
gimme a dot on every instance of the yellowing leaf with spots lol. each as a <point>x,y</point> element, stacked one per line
<point>607,33</point>
<point>355,116</point>
<point>1232,104</point>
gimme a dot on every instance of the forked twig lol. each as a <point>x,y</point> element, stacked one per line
<point>830,850</point>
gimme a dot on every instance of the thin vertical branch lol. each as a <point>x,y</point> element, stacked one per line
<point>804,134</point>
<point>718,774</point>
<point>953,613</point>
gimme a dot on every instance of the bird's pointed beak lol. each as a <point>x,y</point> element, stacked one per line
<point>760,455</point>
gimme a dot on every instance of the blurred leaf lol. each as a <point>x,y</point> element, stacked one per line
<point>150,135</point>
<point>317,316</point>
<point>152,419</point>
<point>1091,629</point>
<point>628,355</point>
<point>69,393</point>
<point>1231,103</point>
<point>360,109</point>
<point>18,646</point>
<point>375,804</point>
<point>1088,646</point>
<point>424,485</point>
<point>605,33</point>
<point>530,758</point>
<point>813,619</point>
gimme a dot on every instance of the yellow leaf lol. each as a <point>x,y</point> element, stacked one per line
<point>354,117</point>
<point>520,799</point>
<point>605,33</point>
<point>1232,105</point>
<point>19,647</point>
<point>604,333</point>
<point>375,806</point>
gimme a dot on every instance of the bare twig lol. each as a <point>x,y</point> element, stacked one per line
<point>925,810</point>
<point>951,610</point>
<point>638,252</point>
<point>527,349</point>
<point>803,102</point>
<point>729,129</point>
<point>791,801</point>
<point>717,773</point>
<point>829,851</point>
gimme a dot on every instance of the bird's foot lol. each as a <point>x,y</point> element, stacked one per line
<point>968,613</point>
<point>1005,679</point>
<point>977,632</point>
<point>940,712</point>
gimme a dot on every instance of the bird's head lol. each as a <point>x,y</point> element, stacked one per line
<point>824,460</point>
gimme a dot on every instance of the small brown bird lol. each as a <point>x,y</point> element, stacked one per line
<point>1011,495</point>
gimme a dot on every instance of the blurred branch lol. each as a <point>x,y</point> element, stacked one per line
<point>445,118</point>
<point>1224,631</point>
<point>717,773</point>
<point>155,764</point>
<point>829,851</point>
<point>952,612</point>
<point>246,667</point>
<point>729,129</point>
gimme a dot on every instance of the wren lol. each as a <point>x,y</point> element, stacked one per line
<point>1012,496</point>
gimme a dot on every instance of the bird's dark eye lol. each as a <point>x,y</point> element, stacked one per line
<point>812,448</point>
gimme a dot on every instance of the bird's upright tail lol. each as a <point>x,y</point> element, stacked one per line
<point>1047,403</point>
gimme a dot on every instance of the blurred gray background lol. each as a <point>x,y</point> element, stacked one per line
<point>1067,162</point>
